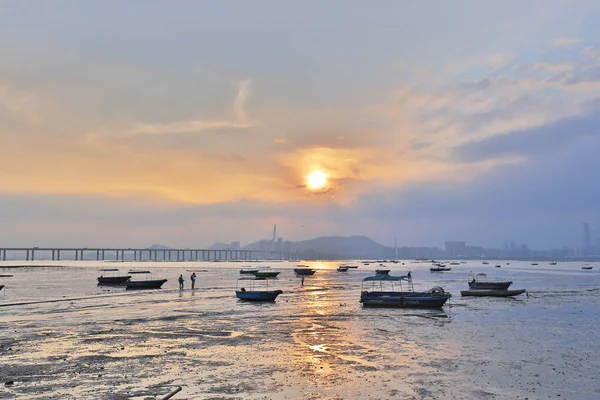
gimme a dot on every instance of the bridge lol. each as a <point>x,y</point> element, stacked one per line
<point>140,254</point>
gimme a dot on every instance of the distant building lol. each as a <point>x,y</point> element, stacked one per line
<point>279,245</point>
<point>455,249</point>
<point>585,248</point>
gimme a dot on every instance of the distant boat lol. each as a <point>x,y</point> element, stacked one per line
<point>248,270</point>
<point>383,293</point>
<point>498,265</point>
<point>480,281</point>
<point>111,278</point>
<point>454,263</point>
<point>439,267</point>
<point>304,271</point>
<point>252,294</point>
<point>144,284</point>
<point>382,271</point>
<point>266,274</point>
<point>492,293</point>
<point>534,263</point>
<point>553,263</point>
<point>342,268</point>
<point>485,262</point>
<point>586,266</point>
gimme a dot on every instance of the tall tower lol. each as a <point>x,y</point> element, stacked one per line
<point>586,239</point>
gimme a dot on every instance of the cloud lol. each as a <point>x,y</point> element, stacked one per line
<point>566,42</point>
<point>240,120</point>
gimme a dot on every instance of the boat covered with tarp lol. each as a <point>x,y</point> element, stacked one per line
<point>385,290</point>
<point>480,281</point>
<point>252,293</point>
<point>108,276</point>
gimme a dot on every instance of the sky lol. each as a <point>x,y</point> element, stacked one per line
<point>187,123</point>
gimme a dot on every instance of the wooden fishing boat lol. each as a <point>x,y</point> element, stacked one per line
<point>304,271</point>
<point>252,294</point>
<point>480,281</point>
<point>383,293</point>
<point>342,268</point>
<point>108,278</point>
<point>492,292</point>
<point>439,267</point>
<point>586,267</point>
<point>382,271</point>
<point>266,274</point>
<point>248,270</point>
<point>144,284</point>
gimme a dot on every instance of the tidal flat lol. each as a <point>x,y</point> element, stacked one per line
<point>315,342</point>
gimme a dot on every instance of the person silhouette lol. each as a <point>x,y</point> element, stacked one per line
<point>181,281</point>
<point>193,279</point>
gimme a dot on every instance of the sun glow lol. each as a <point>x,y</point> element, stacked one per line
<point>317,180</point>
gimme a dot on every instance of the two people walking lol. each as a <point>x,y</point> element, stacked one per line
<point>192,277</point>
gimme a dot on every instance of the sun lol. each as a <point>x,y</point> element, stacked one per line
<point>317,180</point>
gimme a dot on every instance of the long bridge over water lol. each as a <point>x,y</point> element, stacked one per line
<point>139,254</point>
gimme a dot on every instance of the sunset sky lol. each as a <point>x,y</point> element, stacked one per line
<point>185,123</point>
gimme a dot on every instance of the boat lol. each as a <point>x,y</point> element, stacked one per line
<point>252,294</point>
<point>350,266</point>
<point>553,263</point>
<point>365,263</point>
<point>111,279</point>
<point>485,262</point>
<point>438,267</point>
<point>492,292</point>
<point>382,296</point>
<point>248,270</point>
<point>266,274</point>
<point>454,263</point>
<point>480,281</point>
<point>382,271</point>
<point>145,284</point>
<point>498,265</point>
<point>1,287</point>
<point>534,263</point>
<point>304,271</point>
<point>342,268</point>
<point>586,266</point>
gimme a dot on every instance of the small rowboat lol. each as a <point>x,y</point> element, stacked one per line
<point>342,268</point>
<point>266,274</point>
<point>492,293</point>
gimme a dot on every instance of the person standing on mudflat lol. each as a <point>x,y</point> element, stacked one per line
<point>193,279</point>
<point>181,281</point>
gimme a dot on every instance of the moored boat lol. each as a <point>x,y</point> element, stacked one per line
<point>388,296</point>
<point>248,270</point>
<point>304,271</point>
<point>266,274</point>
<point>1,287</point>
<point>382,271</point>
<point>144,284</point>
<point>492,292</point>
<point>480,281</point>
<point>111,278</point>
<point>439,267</point>
<point>553,263</point>
<point>586,266</point>
<point>342,268</point>
<point>252,294</point>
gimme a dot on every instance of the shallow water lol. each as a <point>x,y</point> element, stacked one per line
<point>315,342</point>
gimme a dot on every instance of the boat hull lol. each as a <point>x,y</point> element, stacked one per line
<point>248,271</point>
<point>342,269</point>
<point>303,271</point>
<point>492,293</point>
<point>439,269</point>
<point>261,274</point>
<point>150,284</point>
<point>113,280</point>
<point>1,287</point>
<point>257,295</point>
<point>403,299</point>
<point>382,271</point>
<point>490,285</point>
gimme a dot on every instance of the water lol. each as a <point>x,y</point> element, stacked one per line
<point>315,342</point>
